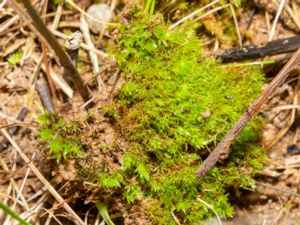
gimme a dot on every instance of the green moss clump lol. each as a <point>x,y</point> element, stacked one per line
<point>15,58</point>
<point>60,136</point>
<point>173,107</point>
<point>175,104</point>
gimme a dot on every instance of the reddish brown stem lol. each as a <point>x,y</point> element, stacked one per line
<point>223,148</point>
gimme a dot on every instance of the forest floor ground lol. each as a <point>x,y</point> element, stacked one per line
<point>276,199</point>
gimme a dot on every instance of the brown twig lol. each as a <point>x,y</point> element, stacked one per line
<point>222,150</point>
<point>63,57</point>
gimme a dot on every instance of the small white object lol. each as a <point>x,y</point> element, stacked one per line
<point>101,12</point>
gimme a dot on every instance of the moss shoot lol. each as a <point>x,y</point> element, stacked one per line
<point>173,107</point>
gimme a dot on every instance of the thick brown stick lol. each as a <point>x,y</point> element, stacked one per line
<point>63,57</point>
<point>223,148</point>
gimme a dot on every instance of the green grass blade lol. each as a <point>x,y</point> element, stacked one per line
<point>147,4</point>
<point>8,211</point>
<point>104,213</point>
<point>152,8</point>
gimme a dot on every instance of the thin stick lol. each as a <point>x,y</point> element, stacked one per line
<point>93,57</point>
<point>270,48</point>
<point>223,148</point>
<point>193,14</point>
<point>291,121</point>
<point>236,24</point>
<point>280,8</point>
<point>72,3</point>
<point>57,17</point>
<point>35,170</point>
<point>293,16</point>
<point>63,57</point>
<point>22,24</point>
<point>8,23</point>
<point>23,15</point>
<point>208,13</point>
<point>212,209</point>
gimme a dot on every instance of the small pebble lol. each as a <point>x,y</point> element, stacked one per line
<point>100,12</point>
<point>274,155</point>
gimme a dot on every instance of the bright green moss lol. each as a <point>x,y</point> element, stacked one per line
<point>175,105</point>
<point>61,137</point>
<point>15,58</point>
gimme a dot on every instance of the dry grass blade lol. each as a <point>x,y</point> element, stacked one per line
<point>93,57</point>
<point>291,13</point>
<point>21,13</point>
<point>280,8</point>
<point>8,23</point>
<point>50,188</point>
<point>32,213</point>
<point>15,46</point>
<point>193,14</point>
<point>292,161</point>
<point>46,64</point>
<point>211,208</point>
<point>291,121</point>
<point>288,192</point>
<point>62,84</point>
<point>57,17</point>
<point>218,9</point>
<point>209,12</point>
<point>73,4</point>
<point>175,219</point>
